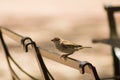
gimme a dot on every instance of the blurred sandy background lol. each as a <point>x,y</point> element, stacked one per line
<point>79,21</point>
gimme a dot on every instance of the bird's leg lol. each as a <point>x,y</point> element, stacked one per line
<point>66,55</point>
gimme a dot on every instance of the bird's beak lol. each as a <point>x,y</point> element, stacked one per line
<point>52,40</point>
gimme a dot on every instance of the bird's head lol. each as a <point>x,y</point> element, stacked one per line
<point>56,39</point>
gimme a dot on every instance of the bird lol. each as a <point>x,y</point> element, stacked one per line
<point>66,46</point>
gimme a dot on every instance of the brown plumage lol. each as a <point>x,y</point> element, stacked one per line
<point>66,46</point>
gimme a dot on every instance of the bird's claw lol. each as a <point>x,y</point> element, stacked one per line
<point>64,56</point>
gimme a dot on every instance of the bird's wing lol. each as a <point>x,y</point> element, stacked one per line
<point>69,44</point>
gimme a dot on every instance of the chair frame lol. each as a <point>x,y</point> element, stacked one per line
<point>82,66</point>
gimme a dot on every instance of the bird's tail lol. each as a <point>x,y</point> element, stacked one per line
<point>84,47</point>
<point>87,47</point>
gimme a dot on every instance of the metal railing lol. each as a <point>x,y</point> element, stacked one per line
<point>113,33</point>
<point>113,40</point>
<point>82,66</point>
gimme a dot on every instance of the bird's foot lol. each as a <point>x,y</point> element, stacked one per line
<point>64,56</point>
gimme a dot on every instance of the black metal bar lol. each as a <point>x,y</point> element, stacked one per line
<point>13,74</point>
<point>112,8</point>
<point>113,34</point>
<point>26,41</point>
<point>8,56</point>
<point>84,64</point>
<point>45,71</point>
<point>112,25</point>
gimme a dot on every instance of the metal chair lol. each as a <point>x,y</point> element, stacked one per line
<point>82,66</point>
<point>114,41</point>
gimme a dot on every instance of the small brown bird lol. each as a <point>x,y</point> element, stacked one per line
<point>66,46</point>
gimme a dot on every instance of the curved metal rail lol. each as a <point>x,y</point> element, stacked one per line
<point>82,66</point>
